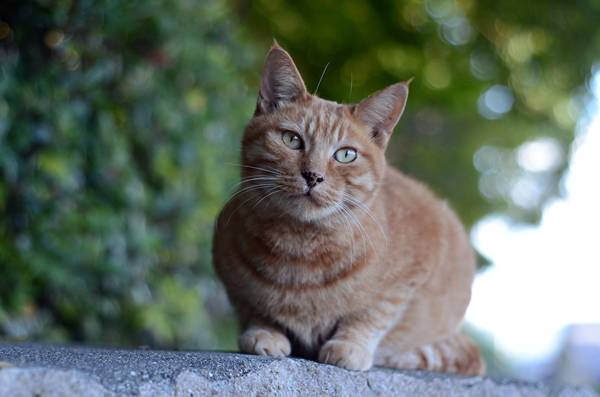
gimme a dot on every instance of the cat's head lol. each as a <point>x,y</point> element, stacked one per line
<point>308,157</point>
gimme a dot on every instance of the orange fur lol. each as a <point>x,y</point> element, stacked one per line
<point>349,263</point>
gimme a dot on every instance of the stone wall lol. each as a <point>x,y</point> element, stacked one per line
<point>38,370</point>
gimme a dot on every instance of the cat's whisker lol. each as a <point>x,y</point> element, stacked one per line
<point>350,231</point>
<point>248,188</point>
<point>238,207</point>
<point>273,169</point>
<point>370,213</point>
<point>348,228</point>
<point>252,179</point>
<point>360,228</point>
<point>256,168</point>
<point>269,202</point>
<point>367,234</point>
<point>276,189</point>
<point>322,74</point>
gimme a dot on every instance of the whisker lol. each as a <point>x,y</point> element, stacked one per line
<point>362,229</point>
<point>323,74</point>
<point>348,228</point>
<point>269,202</point>
<point>238,207</point>
<point>370,213</point>
<point>248,188</point>
<point>275,188</point>
<point>252,179</point>
<point>272,171</point>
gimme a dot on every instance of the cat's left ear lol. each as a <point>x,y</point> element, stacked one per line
<point>382,110</point>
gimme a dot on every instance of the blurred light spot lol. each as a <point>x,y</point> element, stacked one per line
<point>135,193</point>
<point>457,31</point>
<point>196,100</point>
<point>23,243</point>
<point>414,15</point>
<point>72,61</point>
<point>541,155</point>
<point>495,102</point>
<point>4,30</point>
<point>483,65</point>
<point>487,159</point>
<point>561,114</point>
<point>502,28</point>
<point>520,47</point>
<point>54,38</point>
<point>140,76</point>
<point>141,294</point>
<point>492,186</point>
<point>437,75</point>
<point>215,132</point>
<point>540,40</point>
<point>439,8</point>
<point>526,193</point>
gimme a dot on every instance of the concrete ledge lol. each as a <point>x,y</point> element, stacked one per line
<point>38,370</point>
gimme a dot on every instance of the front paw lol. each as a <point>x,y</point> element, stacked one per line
<point>264,343</point>
<point>346,355</point>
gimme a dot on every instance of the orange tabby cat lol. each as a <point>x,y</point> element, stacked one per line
<point>328,253</point>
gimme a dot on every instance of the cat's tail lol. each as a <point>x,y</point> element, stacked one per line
<point>455,354</point>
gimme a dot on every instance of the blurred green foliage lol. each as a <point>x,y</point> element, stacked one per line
<point>118,119</point>
<point>115,121</point>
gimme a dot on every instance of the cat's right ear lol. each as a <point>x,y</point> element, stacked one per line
<point>382,110</point>
<point>281,83</point>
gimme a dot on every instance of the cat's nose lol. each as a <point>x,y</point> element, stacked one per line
<point>312,178</point>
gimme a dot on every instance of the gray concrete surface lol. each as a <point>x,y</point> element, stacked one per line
<point>39,370</point>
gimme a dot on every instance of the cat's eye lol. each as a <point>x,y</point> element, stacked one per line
<point>345,155</point>
<point>292,140</point>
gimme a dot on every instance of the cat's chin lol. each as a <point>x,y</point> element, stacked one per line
<point>307,208</point>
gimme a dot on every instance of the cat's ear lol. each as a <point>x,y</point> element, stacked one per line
<point>280,82</point>
<point>382,110</point>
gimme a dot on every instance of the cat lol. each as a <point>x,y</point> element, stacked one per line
<point>328,253</point>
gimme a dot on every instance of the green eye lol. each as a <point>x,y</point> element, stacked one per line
<point>292,140</point>
<point>345,155</point>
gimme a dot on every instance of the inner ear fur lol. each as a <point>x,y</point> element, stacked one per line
<point>382,110</point>
<point>281,83</point>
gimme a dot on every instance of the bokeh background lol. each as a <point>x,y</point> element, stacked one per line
<point>118,121</point>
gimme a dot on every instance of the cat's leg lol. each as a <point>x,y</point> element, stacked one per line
<point>264,339</point>
<point>357,336</point>
<point>455,354</point>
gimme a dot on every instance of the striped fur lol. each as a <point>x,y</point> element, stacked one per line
<point>365,267</point>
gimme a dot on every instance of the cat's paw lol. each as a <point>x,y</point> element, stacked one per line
<point>264,343</point>
<point>346,355</point>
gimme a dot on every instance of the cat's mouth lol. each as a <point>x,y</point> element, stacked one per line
<point>308,196</point>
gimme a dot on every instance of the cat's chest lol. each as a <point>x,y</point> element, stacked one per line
<point>297,260</point>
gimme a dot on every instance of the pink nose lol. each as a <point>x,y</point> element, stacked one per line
<point>312,178</point>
